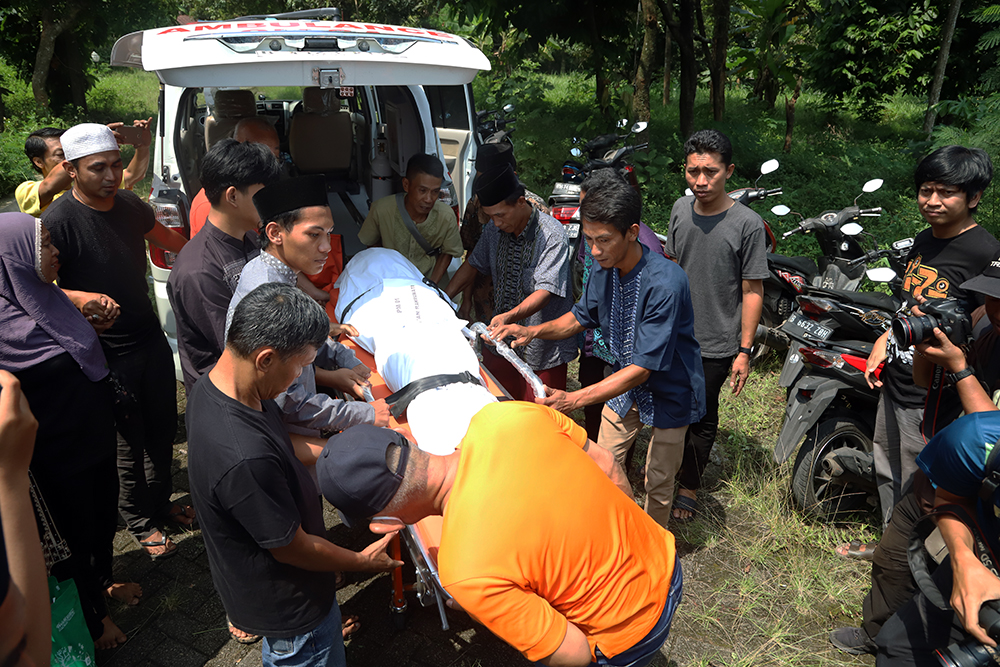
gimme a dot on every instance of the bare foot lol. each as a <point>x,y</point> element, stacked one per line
<point>240,636</point>
<point>112,637</point>
<point>182,515</point>
<point>350,625</point>
<point>680,513</point>
<point>126,593</point>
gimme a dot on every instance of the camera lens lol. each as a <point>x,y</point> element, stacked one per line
<point>911,330</point>
<point>967,654</point>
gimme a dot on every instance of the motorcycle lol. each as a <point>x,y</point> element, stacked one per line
<point>830,410</point>
<point>564,201</point>
<point>493,126</point>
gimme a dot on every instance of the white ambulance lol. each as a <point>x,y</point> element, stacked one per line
<point>351,101</point>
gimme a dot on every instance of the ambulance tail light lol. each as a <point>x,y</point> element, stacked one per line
<point>170,210</point>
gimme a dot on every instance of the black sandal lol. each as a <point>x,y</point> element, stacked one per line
<point>164,541</point>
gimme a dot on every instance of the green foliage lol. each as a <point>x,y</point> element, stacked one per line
<point>989,42</point>
<point>866,51</point>
<point>768,46</point>
<point>975,123</point>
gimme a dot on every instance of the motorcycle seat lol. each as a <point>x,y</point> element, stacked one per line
<point>802,265</point>
<point>869,299</point>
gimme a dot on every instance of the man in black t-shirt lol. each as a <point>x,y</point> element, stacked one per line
<point>207,270</point>
<point>100,232</point>
<point>258,507</point>
<point>949,184</point>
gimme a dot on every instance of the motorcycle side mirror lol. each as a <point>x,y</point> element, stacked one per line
<point>902,244</point>
<point>575,152</point>
<point>623,123</point>
<point>688,193</point>
<point>640,127</point>
<point>780,209</point>
<point>851,229</point>
<point>872,185</point>
<point>881,274</point>
<point>508,108</point>
<point>768,167</point>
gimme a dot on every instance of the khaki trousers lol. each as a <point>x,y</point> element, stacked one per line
<point>663,457</point>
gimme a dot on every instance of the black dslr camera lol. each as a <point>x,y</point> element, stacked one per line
<point>948,315</point>
<point>971,653</point>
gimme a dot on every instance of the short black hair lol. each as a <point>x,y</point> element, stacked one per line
<point>422,163</point>
<point>287,220</point>
<point>602,177</point>
<point>278,316</point>
<point>35,145</point>
<point>616,204</point>
<point>968,168</point>
<point>232,164</point>
<point>710,141</point>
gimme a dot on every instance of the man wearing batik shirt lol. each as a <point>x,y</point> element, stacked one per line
<point>527,255</point>
<point>642,303</point>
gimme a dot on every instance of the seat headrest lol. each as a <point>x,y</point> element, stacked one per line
<point>319,100</point>
<point>234,104</point>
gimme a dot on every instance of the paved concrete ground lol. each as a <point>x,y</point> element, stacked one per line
<point>181,623</point>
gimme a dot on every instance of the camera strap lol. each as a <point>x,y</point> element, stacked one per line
<point>921,563</point>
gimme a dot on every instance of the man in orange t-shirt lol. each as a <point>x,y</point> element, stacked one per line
<point>541,542</point>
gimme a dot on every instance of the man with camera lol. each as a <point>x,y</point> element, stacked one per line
<point>959,462</point>
<point>949,184</point>
<point>938,359</point>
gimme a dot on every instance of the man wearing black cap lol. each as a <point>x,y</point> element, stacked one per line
<point>477,300</point>
<point>568,574</point>
<point>296,239</point>
<point>527,255</point>
<point>259,511</point>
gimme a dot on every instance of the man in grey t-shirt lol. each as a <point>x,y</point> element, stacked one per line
<point>720,245</point>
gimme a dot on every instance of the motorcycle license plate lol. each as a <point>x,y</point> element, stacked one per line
<point>810,328</point>
<point>572,230</point>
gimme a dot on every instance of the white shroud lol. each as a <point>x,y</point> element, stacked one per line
<point>413,333</point>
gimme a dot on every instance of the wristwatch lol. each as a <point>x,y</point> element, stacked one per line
<point>747,351</point>
<point>955,378</point>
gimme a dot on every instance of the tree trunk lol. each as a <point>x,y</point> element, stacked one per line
<point>720,47</point>
<point>644,71</point>
<point>600,77</point>
<point>76,67</point>
<point>790,114</point>
<point>689,67</point>
<point>46,48</point>
<point>682,30</point>
<point>942,64</point>
<point>668,49</point>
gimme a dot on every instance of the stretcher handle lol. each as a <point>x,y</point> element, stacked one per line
<point>519,365</point>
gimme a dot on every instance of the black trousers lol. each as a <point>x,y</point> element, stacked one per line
<point>892,582</point>
<point>910,637</point>
<point>147,425</point>
<point>592,370</point>
<point>83,509</point>
<point>701,436</point>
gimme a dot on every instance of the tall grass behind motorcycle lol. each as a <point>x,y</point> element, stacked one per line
<point>971,653</point>
<point>948,315</point>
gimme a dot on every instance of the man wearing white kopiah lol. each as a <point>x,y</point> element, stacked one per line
<point>295,239</point>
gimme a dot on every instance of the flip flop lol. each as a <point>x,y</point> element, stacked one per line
<point>164,541</point>
<point>245,639</point>
<point>856,550</point>
<point>686,503</point>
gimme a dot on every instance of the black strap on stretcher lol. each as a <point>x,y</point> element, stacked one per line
<point>399,401</point>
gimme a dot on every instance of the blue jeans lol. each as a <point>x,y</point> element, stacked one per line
<point>321,647</point>
<point>643,652</point>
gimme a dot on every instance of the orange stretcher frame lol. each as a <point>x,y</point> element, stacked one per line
<point>423,538</point>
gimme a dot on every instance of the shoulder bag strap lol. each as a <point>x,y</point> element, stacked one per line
<point>412,227</point>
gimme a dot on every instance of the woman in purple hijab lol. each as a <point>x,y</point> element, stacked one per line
<point>52,348</point>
